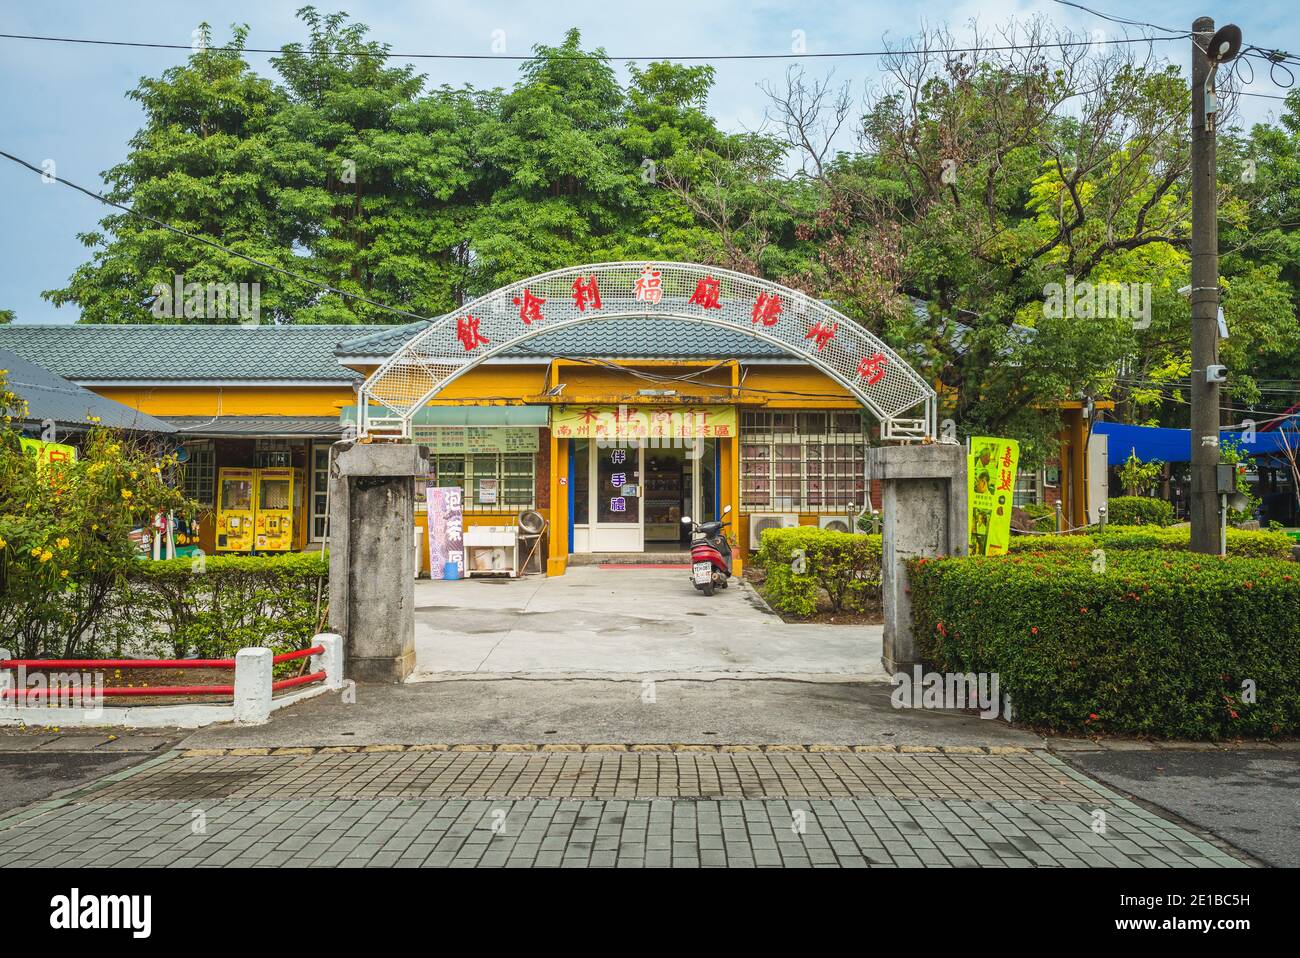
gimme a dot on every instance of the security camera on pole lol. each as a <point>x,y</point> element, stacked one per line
<point>1209,51</point>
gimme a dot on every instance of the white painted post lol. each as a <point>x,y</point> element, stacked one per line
<point>253,686</point>
<point>330,660</point>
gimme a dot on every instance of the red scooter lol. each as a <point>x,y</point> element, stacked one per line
<point>710,554</point>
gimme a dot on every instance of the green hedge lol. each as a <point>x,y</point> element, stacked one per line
<point>1246,543</point>
<point>217,605</point>
<point>1139,511</point>
<point>806,562</point>
<point>1159,644</point>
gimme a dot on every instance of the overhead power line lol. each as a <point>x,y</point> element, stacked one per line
<point>1177,34</point>
<point>385,54</point>
<point>213,243</point>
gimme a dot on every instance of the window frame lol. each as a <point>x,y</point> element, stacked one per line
<point>204,474</point>
<point>797,454</point>
<point>443,472</point>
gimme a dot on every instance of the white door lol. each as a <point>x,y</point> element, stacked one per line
<point>617,503</point>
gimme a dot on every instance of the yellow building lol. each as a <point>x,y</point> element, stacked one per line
<point>744,423</point>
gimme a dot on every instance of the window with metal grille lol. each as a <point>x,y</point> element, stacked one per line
<point>272,453</point>
<point>1026,492</point>
<point>490,482</point>
<point>811,461</point>
<point>200,473</point>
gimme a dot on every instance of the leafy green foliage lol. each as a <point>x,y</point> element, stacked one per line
<point>207,161</point>
<point>1139,511</point>
<point>224,604</point>
<point>1067,162</point>
<point>1137,476</point>
<point>807,567</point>
<point>1245,543</point>
<point>64,535</point>
<point>1161,644</point>
<point>349,171</point>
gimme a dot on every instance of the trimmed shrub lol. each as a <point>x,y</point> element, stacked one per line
<point>1245,543</point>
<point>221,604</point>
<point>804,563</point>
<point>1139,511</point>
<point>1052,543</point>
<point>1160,643</point>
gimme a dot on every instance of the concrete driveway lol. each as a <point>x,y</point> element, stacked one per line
<point>605,622</point>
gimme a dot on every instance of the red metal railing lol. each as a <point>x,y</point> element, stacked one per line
<point>297,680</point>
<point>161,690</point>
<point>147,663</point>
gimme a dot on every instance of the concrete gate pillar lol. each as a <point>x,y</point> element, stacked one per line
<point>924,513</point>
<point>372,557</point>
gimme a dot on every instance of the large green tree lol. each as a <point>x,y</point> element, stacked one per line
<point>206,162</point>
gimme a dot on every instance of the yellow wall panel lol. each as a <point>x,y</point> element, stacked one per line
<point>231,400</point>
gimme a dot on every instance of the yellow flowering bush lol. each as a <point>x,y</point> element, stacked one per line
<point>65,527</point>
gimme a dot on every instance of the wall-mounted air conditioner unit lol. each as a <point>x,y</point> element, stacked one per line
<point>758,521</point>
<point>837,523</point>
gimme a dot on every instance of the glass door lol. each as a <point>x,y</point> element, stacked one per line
<point>617,499</point>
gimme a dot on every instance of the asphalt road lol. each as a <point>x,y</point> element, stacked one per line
<point>728,711</point>
<point>1248,797</point>
<point>27,777</point>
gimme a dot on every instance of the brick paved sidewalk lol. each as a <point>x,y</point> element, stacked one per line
<point>472,774</point>
<point>466,808</point>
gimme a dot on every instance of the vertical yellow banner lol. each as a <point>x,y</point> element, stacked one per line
<point>991,486</point>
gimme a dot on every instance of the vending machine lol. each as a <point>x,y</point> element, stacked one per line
<point>275,509</point>
<point>235,510</point>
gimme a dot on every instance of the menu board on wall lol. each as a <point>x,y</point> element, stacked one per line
<point>472,439</point>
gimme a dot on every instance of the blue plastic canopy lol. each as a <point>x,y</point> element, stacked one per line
<point>1175,445</point>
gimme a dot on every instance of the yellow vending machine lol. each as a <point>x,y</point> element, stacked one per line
<point>275,509</point>
<point>235,510</point>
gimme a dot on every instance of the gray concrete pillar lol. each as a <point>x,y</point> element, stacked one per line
<point>372,571</point>
<point>924,513</point>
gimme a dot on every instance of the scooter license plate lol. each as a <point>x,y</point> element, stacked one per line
<point>703,572</point>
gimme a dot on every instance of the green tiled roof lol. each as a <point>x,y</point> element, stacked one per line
<point>51,397</point>
<point>184,352</point>
<point>615,338</point>
<point>232,353</point>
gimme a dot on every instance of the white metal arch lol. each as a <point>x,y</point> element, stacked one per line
<point>643,291</point>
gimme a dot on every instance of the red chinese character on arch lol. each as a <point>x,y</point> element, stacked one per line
<point>468,334</point>
<point>767,310</point>
<point>821,333</point>
<point>706,293</point>
<point>530,307</point>
<point>872,368</point>
<point>585,291</point>
<point>650,286</point>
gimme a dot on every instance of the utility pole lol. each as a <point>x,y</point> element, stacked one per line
<point>1204,500</point>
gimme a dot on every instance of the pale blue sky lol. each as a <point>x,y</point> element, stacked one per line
<point>67,102</point>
